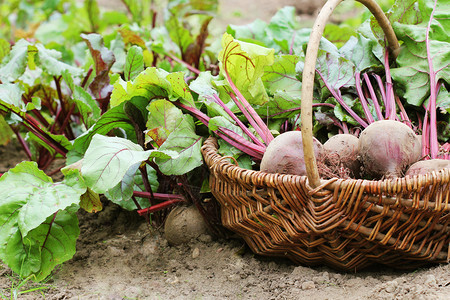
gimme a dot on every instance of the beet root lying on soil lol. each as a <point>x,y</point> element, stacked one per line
<point>183,224</point>
<point>387,148</point>
<point>284,154</point>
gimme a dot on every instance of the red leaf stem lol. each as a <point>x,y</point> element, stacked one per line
<point>362,99</point>
<point>190,68</point>
<point>382,88</point>
<point>236,119</point>
<point>426,134</point>
<point>390,99</point>
<point>338,97</point>
<point>23,144</point>
<point>433,139</point>
<point>158,207</point>
<point>66,119</point>
<point>299,108</point>
<point>405,119</point>
<point>229,136</point>
<point>373,96</point>
<point>158,196</point>
<point>48,140</point>
<point>251,115</point>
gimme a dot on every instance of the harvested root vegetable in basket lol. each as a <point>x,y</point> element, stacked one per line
<point>387,148</point>
<point>284,154</point>
<point>427,166</point>
<point>341,150</point>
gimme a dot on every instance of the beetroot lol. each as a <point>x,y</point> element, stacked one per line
<point>387,148</point>
<point>427,166</point>
<point>284,154</point>
<point>341,151</point>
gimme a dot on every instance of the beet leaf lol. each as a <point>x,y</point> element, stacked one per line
<point>134,63</point>
<point>176,132</point>
<point>108,159</point>
<point>38,226</point>
<point>424,63</point>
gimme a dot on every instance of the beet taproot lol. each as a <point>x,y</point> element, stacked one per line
<point>341,151</point>
<point>387,148</point>
<point>284,154</point>
<point>427,166</point>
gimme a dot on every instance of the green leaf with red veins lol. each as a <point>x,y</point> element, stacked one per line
<point>84,101</point>
<point>417,66</point>
<point>180,89</point>
<point>59,138</point>
<point>255,32</point>
<point>52,243</point>
<point>206,86</point>
<point>113,118</point>
<point>86,104</point>
<point>163,119</point>
<point>150,84</point>
<point>184,141</point>
<point>403,11</point>
<point>244,63</point>
<point>37,231</point>
<point>37,193</point>
<point>108,159</point>
<point>280,81</point>
<point>362,52</point>
<point>132,181</point>
<point>281,33</point>
<point>282,27</point>
<point>336,70</point>
<point>443,100</point>
<point>134,63</point>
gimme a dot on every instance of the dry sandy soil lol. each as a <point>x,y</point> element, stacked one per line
<point>120,257</point>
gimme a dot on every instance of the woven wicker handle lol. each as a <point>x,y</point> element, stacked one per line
<point>309,71</point>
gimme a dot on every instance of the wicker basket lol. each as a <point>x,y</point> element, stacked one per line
<point>346,224</point>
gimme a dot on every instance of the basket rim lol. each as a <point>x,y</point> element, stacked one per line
<point>407,184</point>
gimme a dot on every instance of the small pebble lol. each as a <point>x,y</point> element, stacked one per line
<point>430,280</point>
<point>234,277</point>
<point>195,253</point>
<point>326,276</point>
<point>308,285</point>
<point>391,286</point>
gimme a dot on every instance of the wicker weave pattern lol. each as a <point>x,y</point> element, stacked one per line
<point>345,224</point>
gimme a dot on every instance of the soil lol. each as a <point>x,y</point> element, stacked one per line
<point>120,257</point>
